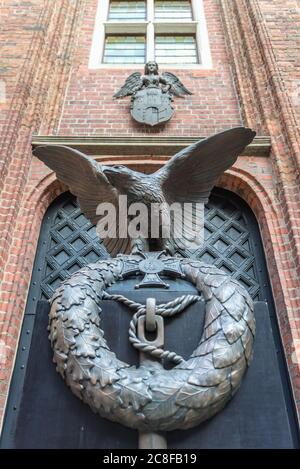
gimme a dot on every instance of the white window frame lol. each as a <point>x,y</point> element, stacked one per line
<point>149,28</point>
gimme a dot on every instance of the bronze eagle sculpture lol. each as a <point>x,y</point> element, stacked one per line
<point>188,177</point>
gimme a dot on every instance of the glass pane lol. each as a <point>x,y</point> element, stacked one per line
<point>127,11</point>
<point>124,49</point>
<point>173,10</point>
<point>175,50</point>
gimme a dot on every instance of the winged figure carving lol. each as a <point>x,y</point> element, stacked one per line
<point>152,94</point>
<point>188,177</point>
<point>151,77</point>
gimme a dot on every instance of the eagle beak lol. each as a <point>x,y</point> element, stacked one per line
<point>109,170</point>
<point>110,174</point>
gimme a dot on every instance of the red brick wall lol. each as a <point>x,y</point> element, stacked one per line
<point>51,91</point>
<point>265,104</point>
<point>282,21</point>
<point>90,110</point>
<point>39,38</point>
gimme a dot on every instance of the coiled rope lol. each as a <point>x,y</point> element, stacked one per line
<point>166,310</point>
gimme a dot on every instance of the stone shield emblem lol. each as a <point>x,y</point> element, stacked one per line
<point>151,106</point>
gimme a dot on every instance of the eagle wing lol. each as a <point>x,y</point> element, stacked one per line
<point>132,84</point>
<point>191,174</point>
<point>86,180</point>
<point>177,87</point>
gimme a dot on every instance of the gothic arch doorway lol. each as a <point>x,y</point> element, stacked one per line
<point>58,419</point>
<point>68,241</point>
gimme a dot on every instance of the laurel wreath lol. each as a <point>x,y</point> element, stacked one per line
<point>151,398</point>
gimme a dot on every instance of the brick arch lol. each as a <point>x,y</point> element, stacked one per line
<point>46,189</point>
<point>282,273</point>
<point>32,211</point>
<point>257,198</point>
<point>17,273</point>
<point>235,180</point>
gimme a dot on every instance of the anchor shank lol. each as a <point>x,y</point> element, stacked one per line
<point>151,440</point>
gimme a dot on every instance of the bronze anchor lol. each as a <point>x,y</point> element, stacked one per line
<point>151,322</point>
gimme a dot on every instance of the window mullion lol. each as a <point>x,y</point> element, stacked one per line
<point>150,31</point>
<point>99,34</point>
<point>150,10</point>
<point>204,55</point>
<point>104,10</point>
<point>176,51</point>
<point>195,12</point>
<point>150,42</point>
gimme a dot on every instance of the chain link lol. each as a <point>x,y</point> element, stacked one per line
<point>166,310</point>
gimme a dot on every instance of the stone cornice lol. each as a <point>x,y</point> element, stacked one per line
<point>140,145</point>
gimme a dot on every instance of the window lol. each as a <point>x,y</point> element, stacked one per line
<point>127,11</point>
<point>124,49</point>
<point>170,10</point>
<point>172,32</point>
<point>174,49</point>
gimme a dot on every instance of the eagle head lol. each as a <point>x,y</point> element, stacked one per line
<point>121,177</point>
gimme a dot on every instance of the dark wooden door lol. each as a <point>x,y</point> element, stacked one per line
<point>42,412</point>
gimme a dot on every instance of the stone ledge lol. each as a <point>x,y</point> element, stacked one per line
<point>140,145</point>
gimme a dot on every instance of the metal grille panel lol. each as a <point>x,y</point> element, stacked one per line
<point>71,242</point>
